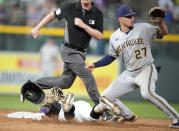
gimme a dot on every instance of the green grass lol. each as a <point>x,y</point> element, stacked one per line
<point>141,108</point>
<point>13,102</point>
<point>147,109</point>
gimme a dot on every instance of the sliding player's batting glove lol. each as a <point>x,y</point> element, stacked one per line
<point>38,116</point>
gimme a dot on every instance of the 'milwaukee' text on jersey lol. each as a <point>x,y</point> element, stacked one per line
<point>135,46</point>
<point>130,43</point>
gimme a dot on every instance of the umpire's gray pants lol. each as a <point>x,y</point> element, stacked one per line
<point>71,70</point>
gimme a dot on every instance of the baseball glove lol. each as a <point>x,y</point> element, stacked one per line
<point>53,95</point>
<point>156,14</point>
<point>51,101</point>
<point>32,92</point>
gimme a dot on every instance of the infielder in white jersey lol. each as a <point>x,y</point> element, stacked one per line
<point>132,42</point>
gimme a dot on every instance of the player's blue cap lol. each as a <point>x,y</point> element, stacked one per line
<point>124,11</point>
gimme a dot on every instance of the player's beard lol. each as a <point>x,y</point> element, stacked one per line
<point>131,27</point>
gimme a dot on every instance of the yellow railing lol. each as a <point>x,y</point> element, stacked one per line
<point>7,29</point>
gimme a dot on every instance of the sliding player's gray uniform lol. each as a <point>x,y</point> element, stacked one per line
<point>135,50</point>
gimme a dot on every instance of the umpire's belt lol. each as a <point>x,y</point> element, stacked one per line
<point>75,48</point>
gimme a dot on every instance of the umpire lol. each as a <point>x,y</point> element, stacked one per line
<point>83,21</point>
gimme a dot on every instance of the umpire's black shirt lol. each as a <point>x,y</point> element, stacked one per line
<point>74,35</point>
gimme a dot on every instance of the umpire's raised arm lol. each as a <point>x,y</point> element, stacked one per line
<point>92,32</point>
<point>35,31</point>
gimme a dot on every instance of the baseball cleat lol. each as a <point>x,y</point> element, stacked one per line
<point>116,119</point>
<point>107,116</point>
<point>101,107</point>
<point>68,102</point>
<point>113,107</point>
<point>174,125</point>
<point>122,119</point>
<point>133,118</point>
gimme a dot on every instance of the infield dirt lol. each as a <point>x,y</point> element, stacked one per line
<point>142,124</point>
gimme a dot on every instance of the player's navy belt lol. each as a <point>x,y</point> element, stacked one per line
<point>75,48</point>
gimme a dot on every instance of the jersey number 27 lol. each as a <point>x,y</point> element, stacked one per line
<point>139,53</point>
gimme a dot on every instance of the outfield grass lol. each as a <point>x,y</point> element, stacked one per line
<point>141,108</point>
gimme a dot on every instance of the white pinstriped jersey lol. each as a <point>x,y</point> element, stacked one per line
<point>135,46</point>
<point>82,112</point>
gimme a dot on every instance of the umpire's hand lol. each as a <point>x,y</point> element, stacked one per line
<point>78,22</point>
<point>90,67</point>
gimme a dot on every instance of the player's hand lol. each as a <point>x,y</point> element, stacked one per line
<point>38,116</point>
<point>78,22</point>
<point>90,67</point>
<point>35,32</point>
<point>161,21</point>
